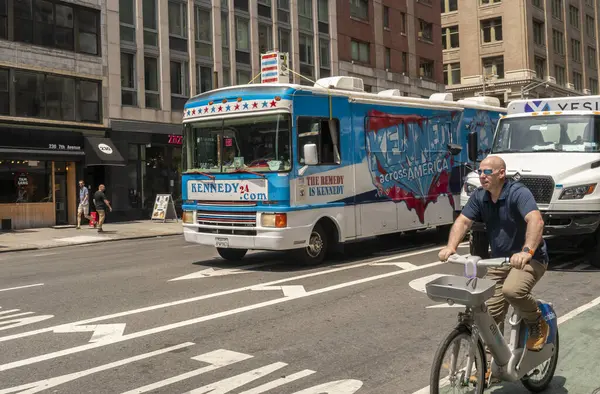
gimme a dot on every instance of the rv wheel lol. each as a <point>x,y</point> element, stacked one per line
<point>316,250</point>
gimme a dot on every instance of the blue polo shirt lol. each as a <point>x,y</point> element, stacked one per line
<point>505,219</point>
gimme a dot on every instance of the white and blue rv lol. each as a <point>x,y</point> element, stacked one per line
<point>309,168</point>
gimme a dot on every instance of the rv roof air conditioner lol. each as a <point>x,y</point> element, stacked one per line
<point>341,83</point>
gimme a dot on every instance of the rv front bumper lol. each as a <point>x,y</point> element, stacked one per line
<point>563,223</point>
<point>263,239</point>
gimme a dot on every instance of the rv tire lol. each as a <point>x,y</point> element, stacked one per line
<point>316,250</point>
<point>232,254</point>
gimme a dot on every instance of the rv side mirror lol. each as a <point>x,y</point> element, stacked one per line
<point>454,149</point>
<point>472,142</point>
<point>310,155</point>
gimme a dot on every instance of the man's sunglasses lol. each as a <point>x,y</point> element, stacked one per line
<point>487,171</point>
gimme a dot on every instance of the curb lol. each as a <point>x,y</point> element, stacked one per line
<point>29,248</point>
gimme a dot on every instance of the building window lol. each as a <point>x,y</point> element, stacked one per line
<point>386,17</point>
<point>576,50</point>
<point>23,181</point>
<point>127,20</point>
<point>177,19</point>
<point>3,19</point>
<point>150,24</point>
<point>325,58</point>
<point>559,74</point>
<point>425,30</point>
<point>540,67</point>
<point>323,16</point>
<point>578,80</point>
<point>403,22</point>
<point>359,9</point>
<point>151,78</point>
<point>306,50</point>
<point>203,31</point>
<point>243,76</point>
<point>51,24</point>
<point>593,85</point>
<point>60,97</point>
<point>449,6</point>
<point>265,38</point>
<point>558,42</point>
<point>283,11</point>
<point>591,58</point>
<point>426,68</point>
<point>486,2</point>
<point>590,26</point>
<point>387,60</point>
<point>285,44</point>
<point>452,74</point>
<point>574,16</point>
<point>180,87</point>
<point>361,51</point>
<point>539,37</point>
<point>538,3</point>
<point>242,35</point>
<point>305,16</point>
<point>557,8</point>
<point>204,77</point>
<point>491,30</point>
<point>450,37</point>
<point>89,101</point>
<point>225,38</point>
<point>128,90</point>
<point>494,66</point>
<point>4,92</point>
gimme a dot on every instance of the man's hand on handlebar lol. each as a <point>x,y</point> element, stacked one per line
<point>445,253</point>
<point>520,260</point>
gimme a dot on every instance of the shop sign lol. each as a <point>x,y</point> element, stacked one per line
<point>58,140</point>
<point>105,149</point>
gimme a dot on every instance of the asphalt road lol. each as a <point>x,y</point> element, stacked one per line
<point>163,316</point>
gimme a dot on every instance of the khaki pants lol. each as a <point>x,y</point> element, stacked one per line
<point>514,286</point>
<point>101,216</point>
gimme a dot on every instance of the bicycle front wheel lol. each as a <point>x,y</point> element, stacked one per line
<point>457,368</point>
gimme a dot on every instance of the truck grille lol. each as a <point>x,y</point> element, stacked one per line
<point>228,218</point>
<point>541,187</point>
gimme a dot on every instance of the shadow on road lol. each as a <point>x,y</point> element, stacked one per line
<point>557,386</point>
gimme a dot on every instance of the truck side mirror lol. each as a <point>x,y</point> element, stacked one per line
<point>472,143</point>
<point>311,157</point>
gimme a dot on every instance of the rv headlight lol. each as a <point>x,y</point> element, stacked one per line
<point>278,220</point>
<point>577,192</point>
<point>188,217</point>
<point>469,188</point>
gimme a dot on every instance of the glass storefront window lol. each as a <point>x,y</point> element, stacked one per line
<point>162,173</point>
<point>25,181</point>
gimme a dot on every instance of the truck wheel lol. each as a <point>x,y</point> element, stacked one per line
<point>479,245</point>
<point>232,254</point>
<point>316,250</point>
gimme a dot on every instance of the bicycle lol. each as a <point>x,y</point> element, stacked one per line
<point>510,361</point>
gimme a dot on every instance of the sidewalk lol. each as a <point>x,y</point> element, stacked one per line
<point>43,238</point>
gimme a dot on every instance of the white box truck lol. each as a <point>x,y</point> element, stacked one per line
<point>552,146</point>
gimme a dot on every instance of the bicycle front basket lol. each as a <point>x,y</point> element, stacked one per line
<point>461,290</point>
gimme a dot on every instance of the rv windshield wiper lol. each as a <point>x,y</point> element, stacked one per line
<point>201,173</point>
<point>548,149</point>
<point>248,172</point>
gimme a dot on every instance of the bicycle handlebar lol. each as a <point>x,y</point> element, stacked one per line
<point>496,262</point>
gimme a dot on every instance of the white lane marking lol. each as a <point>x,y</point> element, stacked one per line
<point>42,385</point>
<point>82,238</point>
<point>288,291</point>
<point>216,359</point>
<point>101,331</point>
<point>23,321</point>
<point>218,315</point>
<point>226,385</point>
<point>9,311</point>
<point>15,315</point>
<point>419,285</point>
<point>213,295</point>
<point>44,254</point>
<point>577,311</point>
<point>22,287</point>
<point>346,386</point>
<point>209,272</point>
<point>279,382</point>
<point>402,264</point>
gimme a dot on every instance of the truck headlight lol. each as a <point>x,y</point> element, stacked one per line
<point>278,220</point>
<point>577,192</point>
<point>188,217</point>
<point>469,188</point>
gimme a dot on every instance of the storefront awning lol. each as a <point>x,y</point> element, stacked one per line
<point>102,152</point>
<point>40,154</point>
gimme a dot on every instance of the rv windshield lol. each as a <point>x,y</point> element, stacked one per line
<point>256,143</point>
<point>555,133</point>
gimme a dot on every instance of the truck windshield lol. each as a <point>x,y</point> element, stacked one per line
<point>555,133</point>
<point>257,144</point>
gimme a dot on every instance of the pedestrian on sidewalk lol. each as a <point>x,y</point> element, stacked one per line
<point>101,203</point>
<point>84,204</point>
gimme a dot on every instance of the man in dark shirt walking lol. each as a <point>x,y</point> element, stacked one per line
<point>101,203</point>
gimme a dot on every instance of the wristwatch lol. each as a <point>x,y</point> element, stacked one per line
<point>526,249</point>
